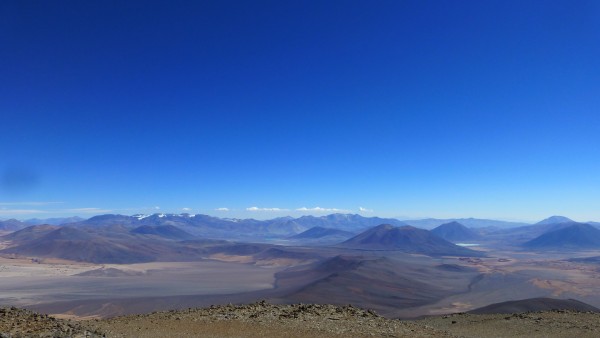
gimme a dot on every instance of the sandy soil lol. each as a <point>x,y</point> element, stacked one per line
<point>534,324</point>
<point>25,282</point>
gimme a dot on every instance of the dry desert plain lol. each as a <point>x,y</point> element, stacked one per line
<point>78,289</point>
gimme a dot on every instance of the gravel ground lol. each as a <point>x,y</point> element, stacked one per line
<point>558,323</point>
<point>264,320</point>
<point>300,320</point>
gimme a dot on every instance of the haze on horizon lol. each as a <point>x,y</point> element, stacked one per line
<point>265,109</point>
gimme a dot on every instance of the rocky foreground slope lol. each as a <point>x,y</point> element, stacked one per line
<point>267,320</point>
<point>16,322</point>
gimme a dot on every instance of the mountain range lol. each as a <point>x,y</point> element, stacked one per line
<point>430,223</point>
<point>240,229</point>
<point>273,228</point>
<point>387,267</point>
<point>116,243</point>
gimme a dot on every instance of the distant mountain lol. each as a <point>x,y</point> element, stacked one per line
<point>576,236</point>
<point>54,221</point>
<point>110,244</point>
<point>555,220</point>
<point>347,222</point>
<point>118,244</point>
<point>79,245</point>
<point>320,232</point>
<point>526,233</point>
<point>198,225</point>
<point>534,305</point>
<point>430,223</point>
<point>109,219</point>
<point>12,225</point>
<point>455,232</point>
<point>407,239</point>
<point>238,229</point>
<point>164,231</point>
<point>29,233</point>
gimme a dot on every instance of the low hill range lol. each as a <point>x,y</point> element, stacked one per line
<point>567,235</point>
<point>406,239</point>
<point>455,232</point>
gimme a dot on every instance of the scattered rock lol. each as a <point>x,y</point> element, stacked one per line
<point>16,322</point>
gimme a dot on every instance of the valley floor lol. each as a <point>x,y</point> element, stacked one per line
<point>104,290</point>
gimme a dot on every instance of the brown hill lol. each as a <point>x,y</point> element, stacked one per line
<point>81,245</point>
<point>535,304</point>
<point>379,283</point>
<point>29,233</point>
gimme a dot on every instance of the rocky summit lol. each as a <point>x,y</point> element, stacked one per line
<point>300,320</point>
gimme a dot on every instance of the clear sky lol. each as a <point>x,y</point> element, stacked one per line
<point>268,108</point>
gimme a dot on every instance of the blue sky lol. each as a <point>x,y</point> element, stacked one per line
<point>269,108</point>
